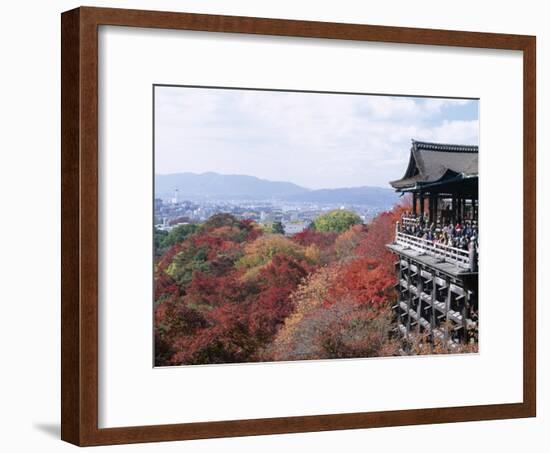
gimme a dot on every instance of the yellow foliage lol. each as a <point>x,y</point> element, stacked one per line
<point>313,254</point>
<point>307,297</point>
<point>347,241</point>
<point>265,247</point>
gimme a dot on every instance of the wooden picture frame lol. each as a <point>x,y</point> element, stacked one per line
<point>79,138</point>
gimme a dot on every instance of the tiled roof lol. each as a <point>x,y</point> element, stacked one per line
<point>447,147</point>
<point>431,162</point>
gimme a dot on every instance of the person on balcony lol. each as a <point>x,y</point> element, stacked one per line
<point>460,235</point>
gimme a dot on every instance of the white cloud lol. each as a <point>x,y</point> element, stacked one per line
<point>458,131</point>
<point>317,140</point>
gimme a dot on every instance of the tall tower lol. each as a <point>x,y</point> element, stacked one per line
<point>175,198</point>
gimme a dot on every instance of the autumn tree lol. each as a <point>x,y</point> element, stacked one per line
<point>177,234</point>
<point>347,242</point>
<point>310,236</point>
<point>229,291</point>
<point>329,324</point>
<point>206,311</point>
<point>337,220</point>
<point>264,248</point>
<point>381,232</point>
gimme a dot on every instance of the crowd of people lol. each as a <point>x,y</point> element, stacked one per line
<point>462,235</point>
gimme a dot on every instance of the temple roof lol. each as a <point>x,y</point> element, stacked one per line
<point>437,162</point>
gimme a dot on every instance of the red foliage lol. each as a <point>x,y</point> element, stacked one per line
<point>311,237</point>
<point>276,282</point>
<point>210,310</point>
<point>165,286</point>
<point>214,291</point>
<point>365,281</point>
<point>231,318</point>
<point>381,231</point>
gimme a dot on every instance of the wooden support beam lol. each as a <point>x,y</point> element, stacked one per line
<point>409,299</point>
<point>457,289</point>
<point>465,313</point>
<point>447,308</point>
<point>420,290</point>
<point>403,265</point>
<point>433,297</point>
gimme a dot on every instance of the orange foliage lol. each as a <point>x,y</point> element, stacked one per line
<point>365,281</point>
<point>347,242</point>
<point>381,231</point>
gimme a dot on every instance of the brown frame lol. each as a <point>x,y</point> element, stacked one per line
<point>79,215</point>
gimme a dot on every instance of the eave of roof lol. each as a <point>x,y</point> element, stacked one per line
<point>448,179</point>
<point>431,162</point>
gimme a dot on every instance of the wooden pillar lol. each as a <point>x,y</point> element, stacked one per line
<point>409,299</point>
<point>414,204</point>
<point>433,298</point>
<point>465,313</point>
<point>453,209</point>
<point>419,290</point>
<point>421,210</point>
<point>399,310</point>
<point>433,208</point>
<point>447,308</point>
<point>472,256</point>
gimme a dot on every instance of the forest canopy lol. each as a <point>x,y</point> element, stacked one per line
<point>337,220</point>
<point>231,291</point>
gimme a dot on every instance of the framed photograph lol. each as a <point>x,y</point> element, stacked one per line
<point>276,226</point>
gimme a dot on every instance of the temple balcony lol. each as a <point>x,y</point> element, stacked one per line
<point>432,253</point>
<point>437,264</point>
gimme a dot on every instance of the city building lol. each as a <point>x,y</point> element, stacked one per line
<point>175,198</point>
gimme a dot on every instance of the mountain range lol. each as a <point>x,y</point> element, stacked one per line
<point>215,186</point>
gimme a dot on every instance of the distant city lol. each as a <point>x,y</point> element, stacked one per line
<point>193,198</point>
<point>294,216</point>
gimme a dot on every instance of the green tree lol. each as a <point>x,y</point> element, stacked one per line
<point>337,220</point>
<point>160,236</point>
<point>278,228</point>
<point>177,234</point>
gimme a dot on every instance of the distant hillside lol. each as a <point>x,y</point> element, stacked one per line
<point>204,186</point>
<point>216,186</point>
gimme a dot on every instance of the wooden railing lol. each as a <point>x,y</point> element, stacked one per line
<point>410,221</point>
<point>464,259</point>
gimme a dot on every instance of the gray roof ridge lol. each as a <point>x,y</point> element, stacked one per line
<point>447,147</point>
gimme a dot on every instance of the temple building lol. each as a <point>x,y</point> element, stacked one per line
<point>437,244</point>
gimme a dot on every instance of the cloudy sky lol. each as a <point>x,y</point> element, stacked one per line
<point>312,139</point>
